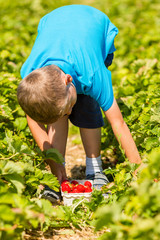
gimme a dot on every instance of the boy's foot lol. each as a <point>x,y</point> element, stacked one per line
<point>99,180</point>
<point>50,195</point>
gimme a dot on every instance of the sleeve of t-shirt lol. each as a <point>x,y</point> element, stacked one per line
<point>101,89</point>
<point>110,33</point>
<point>42,23</point>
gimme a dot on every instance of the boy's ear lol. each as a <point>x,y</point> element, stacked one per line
<point>68,79</point>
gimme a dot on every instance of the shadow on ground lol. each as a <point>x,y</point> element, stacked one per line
<point>78,172</point>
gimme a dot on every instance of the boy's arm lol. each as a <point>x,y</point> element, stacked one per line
<point>41,137</point>
<point>39,133</point>
<point>122,133</point>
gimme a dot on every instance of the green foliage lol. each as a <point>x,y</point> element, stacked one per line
<point>132,208</point>
<point>136,213</point>
<point>53,154</point>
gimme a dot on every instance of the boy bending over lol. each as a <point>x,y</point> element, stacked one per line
<point>66,77</point>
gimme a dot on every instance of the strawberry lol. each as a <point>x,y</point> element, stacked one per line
<point>74,182</point>
<point>64,182</point>
<point>80,188</point>
<point>75,190</point>
<point>75,187</point>
<point>88,189</point>
<point>66,188</point>
<point>72,186</point>
<point>88,183</point>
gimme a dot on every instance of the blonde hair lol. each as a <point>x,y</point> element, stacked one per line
<point>42,94</point>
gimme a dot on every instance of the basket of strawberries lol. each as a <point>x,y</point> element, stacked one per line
<point>75,189</point>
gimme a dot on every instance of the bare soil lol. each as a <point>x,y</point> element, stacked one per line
<point>63,234</point>
<point>75,158</point>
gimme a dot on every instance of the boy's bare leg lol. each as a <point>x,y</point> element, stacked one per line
<point>57,133</point>
<point>91,139</point>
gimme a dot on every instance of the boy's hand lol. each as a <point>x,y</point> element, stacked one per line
<point>141,166</point>
<point>58,170</point>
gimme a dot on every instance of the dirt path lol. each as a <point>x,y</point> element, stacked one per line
<point>75,158</point>
<point>63,234</point>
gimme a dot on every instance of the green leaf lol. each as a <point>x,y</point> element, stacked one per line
<point>120,177</point>
<point>6,111</point>
<point>20,123</point>
<point>106,215</point>
<point>7,198</point>
<point>151,142</point>
<point>9,167</point>
<point>54,154</point>
<point>6,214</point>
<point>15,144</point>
<point>127,177</point>
<point>4,54</point>
<point>50,180</point>
<point>155,117</point>
<point>38,173</point>
<point>17,181</point>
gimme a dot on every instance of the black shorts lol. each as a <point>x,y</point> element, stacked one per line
<point>86,113</point>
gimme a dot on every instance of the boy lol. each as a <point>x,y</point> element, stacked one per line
<point>66,77</point>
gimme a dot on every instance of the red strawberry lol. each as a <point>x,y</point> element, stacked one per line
<point>74,182</point>
<point>66,188</point>
<point>72,186</point>
<point>88,183</point>
<point>64,181</point>
<point>88,189</point>
<point>63,184</point>
<point>75,190</point>
<point>80,188</point>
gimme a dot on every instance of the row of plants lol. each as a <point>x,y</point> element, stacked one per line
<point>132,211</point>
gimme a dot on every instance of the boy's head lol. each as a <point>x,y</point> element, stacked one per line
<point>46,94</point>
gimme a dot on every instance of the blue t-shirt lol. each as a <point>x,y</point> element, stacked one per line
<point>77,38</point>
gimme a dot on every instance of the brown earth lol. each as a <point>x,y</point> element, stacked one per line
<point>63,234</point>
<point>75,158</point>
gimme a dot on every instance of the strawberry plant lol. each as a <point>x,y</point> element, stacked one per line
<point>132,209</point>
<point>136,213</point>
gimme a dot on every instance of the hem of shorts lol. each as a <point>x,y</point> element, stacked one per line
<point>90,126</point>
